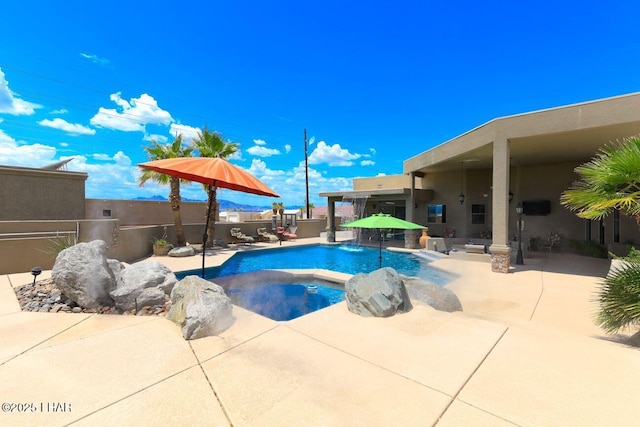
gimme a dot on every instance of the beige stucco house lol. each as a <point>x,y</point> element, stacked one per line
<point>526,158</point>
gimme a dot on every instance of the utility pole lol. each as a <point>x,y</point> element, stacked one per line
<point>306,170</point>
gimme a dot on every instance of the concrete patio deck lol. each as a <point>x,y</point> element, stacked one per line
<point>524,352</point>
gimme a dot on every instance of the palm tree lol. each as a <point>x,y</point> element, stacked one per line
<point>611,181</point>
<point>158,151</point>
<point>211,144</point>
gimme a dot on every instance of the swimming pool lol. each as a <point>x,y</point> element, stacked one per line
<point>341,258</point>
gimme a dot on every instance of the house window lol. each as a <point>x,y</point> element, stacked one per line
<point>478,214</point>
<point>106,212</point>
<point>437,214</point>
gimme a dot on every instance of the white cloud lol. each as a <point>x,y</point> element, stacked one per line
<point>70,128</point>
<point>367,163</point>
<point>260,151</point>
<point>64,144</point>
<point>100,156</point>
<point>373,150</point>
<point>287,148</point>
<point>260,170</point>
<point>161,139</point>
<point>333,155</point>
<point>95,59</point>
<point>13,153</point>
<point>11,104</point>
<point>188,132</point>
<point>134,115</point>
<point>59,111</point>
<point>259,142</point>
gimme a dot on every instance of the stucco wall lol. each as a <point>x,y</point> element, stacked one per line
<point>382,182</point>
<point>36,194</point>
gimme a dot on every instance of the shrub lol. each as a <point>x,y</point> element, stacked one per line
<point>619,298</point>
<point>588,248</point>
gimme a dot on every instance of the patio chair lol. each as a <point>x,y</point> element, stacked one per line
<point>265,236</point>
<point>286,234</point>
<point>237,236</point>
<point>553,241</point>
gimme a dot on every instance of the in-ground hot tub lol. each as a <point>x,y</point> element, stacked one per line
<point>282,295</point>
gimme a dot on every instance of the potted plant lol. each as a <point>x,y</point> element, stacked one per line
<point>161,246</point>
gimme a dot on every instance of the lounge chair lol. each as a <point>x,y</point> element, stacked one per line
<point>265,236</point>
<point>238,237</point>
<point>286,234</point>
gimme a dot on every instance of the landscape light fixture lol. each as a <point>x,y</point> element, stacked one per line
<point>36,272</point>
<point>519,210</point>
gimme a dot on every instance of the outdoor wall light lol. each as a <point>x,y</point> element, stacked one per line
<point>510,196</point>
<point>36,272</point>
<point>461,198</point>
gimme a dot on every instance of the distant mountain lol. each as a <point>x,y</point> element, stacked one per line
<point>224,204</point>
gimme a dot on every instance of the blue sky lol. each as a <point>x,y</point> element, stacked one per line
<point>374,83</point>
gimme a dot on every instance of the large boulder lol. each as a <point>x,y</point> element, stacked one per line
<point>142,284</point>
<point>429,293</point>
<point>380,293</point>
<point>182,251</point>
<point>200,308</point>
<point>83,274</point>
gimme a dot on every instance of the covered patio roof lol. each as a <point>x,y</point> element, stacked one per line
<point>572,133</point>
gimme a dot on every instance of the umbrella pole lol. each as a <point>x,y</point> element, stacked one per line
<point>205,236</point>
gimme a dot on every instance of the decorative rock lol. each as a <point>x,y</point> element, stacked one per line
<point>146,283</point>
<point>200,308</point>
<point>182,251</point>
<point>436,296</point>
<point>76,310</point>
<point>82,273</point>
<point>380,293</point>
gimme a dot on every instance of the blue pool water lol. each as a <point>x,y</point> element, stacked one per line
<point>342,258</point>
<point>285,301</point>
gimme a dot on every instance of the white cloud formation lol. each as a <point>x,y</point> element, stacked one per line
<point>100,156</point>
<point>59,111</point>
<point>133,116</point>
<point>261,151</point>
<point>64,144</point>
<point>161,139</point>
<point>373,150</point>
<point>188,132</point>
<point>333,155</point>
<point>260,170</point>
<point>11,104</point>
<point>260,142</point>
<point>70,128</point>
<point>287,148</point>
<point>13,153</point>
<point>367,163</point>
<point>95,59</point>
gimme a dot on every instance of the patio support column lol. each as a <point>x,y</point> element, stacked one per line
<point>331,216</point>
<point>411,236</point>
<point>500,250</point>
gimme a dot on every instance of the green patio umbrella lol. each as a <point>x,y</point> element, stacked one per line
<point>383,221</point>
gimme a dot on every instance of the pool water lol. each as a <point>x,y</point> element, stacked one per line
<point>341,258</point>
<point>287,301</point>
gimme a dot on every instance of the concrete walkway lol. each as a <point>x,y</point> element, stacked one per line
<point>524,352</point>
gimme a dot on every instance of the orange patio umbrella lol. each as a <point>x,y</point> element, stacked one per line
<point>211,171</point>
